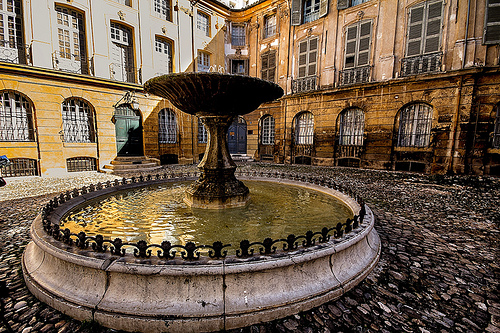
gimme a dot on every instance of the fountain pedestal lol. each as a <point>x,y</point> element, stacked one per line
<point>217,187</point>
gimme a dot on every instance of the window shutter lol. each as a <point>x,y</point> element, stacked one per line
<point>433,27</point>
<point>323,8</point>
<point>364,43</point>
<point>272,66</point>
<point>350,46</point>
<point>303,59</point>
<point>415,30</point>
<point>296,16</point>
<point>491,33</point>
<point>313,54</point>
<point>342,4</point>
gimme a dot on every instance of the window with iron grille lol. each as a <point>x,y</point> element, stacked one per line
<point>163,48</point>
<point>267,136</point>
<point>10,27</point>
<point>203,23</point>
<point>163,9</point>
<point>308,53</point>
<point>202,132</point>
<point>203,61</point>
<point>415,122</point>
<point>304,129</point>
<point>76,164</point>
<point>78,121</point>
<point>496,131</point>
<point>351,127</point>
<point>16,118</point>
<point>20,167</point>
<point>239,66</point>
<point>167,126</point>
<point>269,25</point>
<point>424,28</point>
<point>268,68</point>
<point>238,34</point>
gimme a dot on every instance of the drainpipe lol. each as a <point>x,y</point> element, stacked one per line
<point>455,126</point>
<point>286,81</point>
<point>466,34</point>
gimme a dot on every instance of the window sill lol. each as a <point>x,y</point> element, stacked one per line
<point>414,149</point>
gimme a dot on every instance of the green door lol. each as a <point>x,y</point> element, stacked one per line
<point>128,131</point>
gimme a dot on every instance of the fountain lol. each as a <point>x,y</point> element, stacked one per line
<point>188,287</point>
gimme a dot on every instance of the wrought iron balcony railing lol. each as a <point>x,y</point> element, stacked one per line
<point>427,63</point>
<point>70,63</point>
<point>15,53</point>
<point>124,73</point>
<point>305,84</point>
<point>349,151</point>
<point>355,75</point>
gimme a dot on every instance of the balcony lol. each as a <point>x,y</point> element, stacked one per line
<point>305,84</point>
<point>124,73</point>
<point>70,63</point>
<point>428,63</point>
<point>355,75</point>
<point>15,53</point>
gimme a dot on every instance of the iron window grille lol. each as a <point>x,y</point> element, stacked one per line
<point>77,164</point>
<point>415,123</point>
<point>16,118</point>
<point>20,167</point>
<point>311,10</point>
<point>202,132</point>
<point>203,61</point>
<point>304,129</point>
<point>164,48</point>
<point>167,126</point>
<point>496,130</point>
<point>351,127</point>
<point>269,26</point>
<point>267,136</point>
<point>238,35</point>
<point>268,68</point>
<point>78,121</point>
<point>163,9</point>
<point>203,23</point>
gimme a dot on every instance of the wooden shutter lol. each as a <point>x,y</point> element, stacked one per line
<point>323,8</point>
<point>415,30</point>
<point>313,56</point>
<point>272,66</point>
<point>342,4</point>
<point>350,46</point>
<point>264,66</point>
<point>491,34</point>
<point>365,34</point>
<point>296,16</point>
<point>303,59</point>
<point>433,27</point>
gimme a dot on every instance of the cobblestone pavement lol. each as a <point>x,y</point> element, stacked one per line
<point>438,271</point>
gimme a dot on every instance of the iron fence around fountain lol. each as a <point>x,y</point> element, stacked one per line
<point>190,251</point>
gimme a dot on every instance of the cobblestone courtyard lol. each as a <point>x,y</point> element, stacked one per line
<point>438,271</point>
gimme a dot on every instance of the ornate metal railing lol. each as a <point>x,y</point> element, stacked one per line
<point>305,84</point>
<point>355,75</point>
<point>191,251</point>
<point>428,63</point>
<point>15,53</point>
<point>70,63</point>
<point>121,72</point>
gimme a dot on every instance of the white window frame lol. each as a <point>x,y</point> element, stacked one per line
<point>268,130</point>
<point>203,61</point>
<point>203,22</point>
<point>164,53</point>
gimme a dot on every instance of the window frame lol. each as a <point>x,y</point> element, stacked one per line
<point>78,121</point>
<point>163,9</point>
<point>351,127</point>
<point>167,126</point>
<point>203,22</point>
<point>268,72</point>
<point>414,130</point>
<point>203,61</point>
<point>16,125</point>
<point>358,40</point>
<point>238,34</point>
<point>160,43</point>
<point>268,130</point>
<point>307,55</point>
<point>425,22</point>
<point>304,128</point>
<point>269,28</point>
<point>488,26</point>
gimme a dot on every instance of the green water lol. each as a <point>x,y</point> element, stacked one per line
<point>158,213</point>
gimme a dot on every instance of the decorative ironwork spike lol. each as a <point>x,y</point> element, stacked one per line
<point>124,181</point>
<point>56,232</point>
<point>355,224</point>
<point>116,247</point>
<point>244,247</point>
<point>339,232</point>
<point>268,246</point>
<point>217,250</point>
<point>141,179</point>
<point>98,245</point>
<point>309,239</point>
<point>291,243</point>
<point>82,240</point>
<point>66,237</point>
<point>348,226</point>
<point>190,253</point>
<point>325,237</point>
<point>141,250</point>
<point>164,253</point>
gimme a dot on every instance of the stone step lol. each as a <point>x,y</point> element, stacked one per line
<point>241,158</point>
<point>133,166</point>
<point>119,172</point>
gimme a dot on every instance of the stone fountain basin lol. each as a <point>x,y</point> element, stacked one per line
<point>153,295</point>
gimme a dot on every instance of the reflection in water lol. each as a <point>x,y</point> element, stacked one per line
<point>157,213</point>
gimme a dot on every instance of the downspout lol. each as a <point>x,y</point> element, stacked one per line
<point>286,82</point>
<point>466,34</point>
<point>140,49</point>
<point>455,126</point>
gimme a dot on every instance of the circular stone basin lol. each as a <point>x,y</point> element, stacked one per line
<point>158,213</point>
<point>157,294</point>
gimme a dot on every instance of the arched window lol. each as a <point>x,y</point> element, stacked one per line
<point>267,132</point>
<point>496,131</point>
<point>16,118</point>
<point>304,128</point>
<point>351,127</point>
<point>167,126</point>
<point>415,121</point>
<point>202,132</point>
<point>78,121</point>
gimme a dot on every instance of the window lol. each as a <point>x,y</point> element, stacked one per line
<point>424,28</point>
<point>269,26</point>
<point>16,118</point>
<point>203,23</point>
<point>238,67</point>
<point>203,61</point>
<point>10,30</point>
<point>351,127</point>
<point>76,164</point>
<point>20,167</point>
<point>71,55</point>
<point>268,69</point>
<point>167,126</point>
<point>162,9</point>
<point>308,52</point>
<point>492,22</point>
<point>125,2</point>
<point>202,132</point>
<point>304,11</point>
<point>78,121</point>
<point>267,134</point>
<point>304,129</point>
<point>122,54</point>
<point>238,34</point>
<point>343,4</point>
<point>496,131</point>
<point>163,48</point>
<point>357,46</point>
<point>415,123</point>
